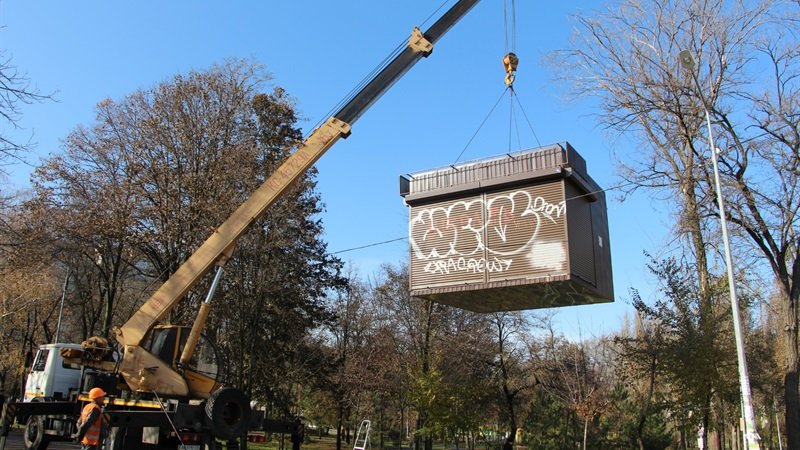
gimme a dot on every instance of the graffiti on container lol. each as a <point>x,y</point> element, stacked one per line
<point>487,234</point>
<point>468,265</point>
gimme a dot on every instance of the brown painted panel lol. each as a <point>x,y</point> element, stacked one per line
<point>602,248</point>
<point>581,239</point>
<point>514,232</point>
<point>447,243</point>
<point>526,231</point>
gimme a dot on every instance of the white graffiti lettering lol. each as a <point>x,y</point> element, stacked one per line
<point>550,210</point>
<point>475,235</point>
<point>467,265</point>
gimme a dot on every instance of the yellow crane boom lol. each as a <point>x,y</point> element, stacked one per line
<point>143,371</point>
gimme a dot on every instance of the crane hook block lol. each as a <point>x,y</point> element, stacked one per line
<point>510,62</point>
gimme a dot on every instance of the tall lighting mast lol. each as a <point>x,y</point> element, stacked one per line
<point>751,437</point>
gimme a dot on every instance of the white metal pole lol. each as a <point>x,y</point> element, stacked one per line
<point>751,437</point>
<point>61,308</point>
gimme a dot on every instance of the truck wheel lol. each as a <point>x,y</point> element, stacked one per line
<point>228,413</point>
<point>33,435</point>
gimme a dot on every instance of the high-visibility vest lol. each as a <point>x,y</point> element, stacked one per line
<point>92,436</point>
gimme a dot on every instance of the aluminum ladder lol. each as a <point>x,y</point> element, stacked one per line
<point>360,444</point>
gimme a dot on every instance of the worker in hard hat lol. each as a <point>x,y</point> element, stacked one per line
<point>90,425</point>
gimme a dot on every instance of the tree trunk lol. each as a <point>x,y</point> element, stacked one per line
<point>646,406</point>
<point>704,434</point>
<point>403,427</point>
<point>693,226</point>
<point>720,423</point>
<point>417,436</point>
<point>790,376</point>
<point>339,428</point>
<point>585,431</point>
<point>790,383</point>
<point>380,425</point>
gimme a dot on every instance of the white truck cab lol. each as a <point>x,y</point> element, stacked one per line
<point>51,377</point>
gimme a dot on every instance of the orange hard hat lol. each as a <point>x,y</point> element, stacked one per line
<point>96,393</point>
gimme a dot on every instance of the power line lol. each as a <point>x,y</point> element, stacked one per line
<point>375,244</point>
<point>370,245</point>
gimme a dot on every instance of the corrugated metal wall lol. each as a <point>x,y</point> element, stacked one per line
<point>581,243</point>
<point>506,166</point>
<point>447,242</point>
<point>526,232</point>
<point>602,247</point>
<point>517,233</point>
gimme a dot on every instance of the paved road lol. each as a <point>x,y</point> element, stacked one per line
<point>14,442</point>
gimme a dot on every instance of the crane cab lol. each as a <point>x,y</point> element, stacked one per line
<point>166,342</point>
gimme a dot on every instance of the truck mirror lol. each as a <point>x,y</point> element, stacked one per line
<point>28,359</point>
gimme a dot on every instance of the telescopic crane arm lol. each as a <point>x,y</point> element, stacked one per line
<point>136,366</point>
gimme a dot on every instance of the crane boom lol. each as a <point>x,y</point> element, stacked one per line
<point>226,235</point>
<point>420,45</point>
<point>218,247</point>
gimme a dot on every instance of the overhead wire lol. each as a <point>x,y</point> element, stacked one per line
<point>512,121</point>
<point>481,125</point>
<point>510,61</point>
<point>513,25</point>
<point>513,31</point>
<point>619,186</point>
<point>509,25</point>
<point>510,49</point>
<point>374,72</point>
<point>361,84</point>
<point>370,245</point>
<point>505,26</point>
<point>434,13</point>
<point>527,120</point>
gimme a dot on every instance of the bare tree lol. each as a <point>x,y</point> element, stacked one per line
<point>136,192</point>
<point>421,322</point>
<point>510,366</point>
<point>15,89</point>
<point>639,358</point>
<point>573,373</point>
<point>348,339</point>
<point>748,68</point>
<point>82,209</point>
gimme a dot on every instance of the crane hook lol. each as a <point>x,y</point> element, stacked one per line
<point>510,62</point>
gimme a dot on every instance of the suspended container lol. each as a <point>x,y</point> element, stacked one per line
<point>519,231</point>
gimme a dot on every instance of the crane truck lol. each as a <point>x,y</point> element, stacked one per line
<point>162,392</point>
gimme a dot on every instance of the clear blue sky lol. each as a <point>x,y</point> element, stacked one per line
<point>318,51</point>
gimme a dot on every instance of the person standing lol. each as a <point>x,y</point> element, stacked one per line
<point>90,425</point>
